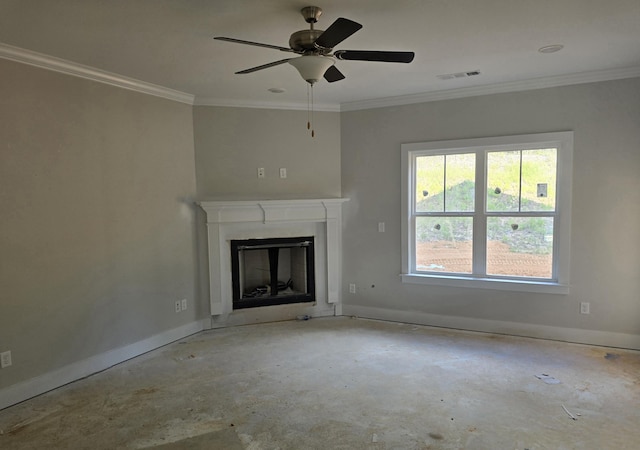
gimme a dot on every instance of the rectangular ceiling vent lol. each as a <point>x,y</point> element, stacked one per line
<point>451,76</point>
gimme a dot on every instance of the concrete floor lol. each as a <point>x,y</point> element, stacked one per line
<point>341,383</point>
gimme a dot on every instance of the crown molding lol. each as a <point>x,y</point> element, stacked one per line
<point>513,86</point>
<point>90,73</point>
<point>210,101</point>
<point>79,70</point>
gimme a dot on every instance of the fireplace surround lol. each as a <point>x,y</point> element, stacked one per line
<point>281,219</point>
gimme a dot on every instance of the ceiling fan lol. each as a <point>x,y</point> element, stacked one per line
<point>315,47</point>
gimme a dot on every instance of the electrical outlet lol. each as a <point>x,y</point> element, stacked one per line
<point>584,308</point>
<point>381,227</point>
<point>352,288</point>
<point>184,304</point>
<point>5,359</point>
<point>261,172</point>
<point>283,172</point>
<point>178,306</point>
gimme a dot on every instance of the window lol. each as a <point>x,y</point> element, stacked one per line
<point>491,212</point>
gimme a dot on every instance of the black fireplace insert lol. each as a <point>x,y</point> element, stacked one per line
<point>272,271</point>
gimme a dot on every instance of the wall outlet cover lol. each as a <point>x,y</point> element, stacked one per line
<point>5,359</point>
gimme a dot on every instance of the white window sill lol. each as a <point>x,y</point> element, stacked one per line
<point>541,287</point>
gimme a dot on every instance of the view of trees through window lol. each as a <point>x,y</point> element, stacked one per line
<point>520,203</point>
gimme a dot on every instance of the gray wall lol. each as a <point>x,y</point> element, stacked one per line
<point>231,143</point>
<point>605,118</point>
<point>97,231</point>
<point>98,235</point>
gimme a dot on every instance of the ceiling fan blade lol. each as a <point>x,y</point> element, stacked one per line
<point>333,74</point>
<point>264,66</point>
<point>257,44</point>
<point>366,55</point>
<point>338,31</point>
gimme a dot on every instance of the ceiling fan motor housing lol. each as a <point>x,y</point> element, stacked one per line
<point>303,40</point>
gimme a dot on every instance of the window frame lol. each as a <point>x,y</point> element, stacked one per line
<point>559,283</point>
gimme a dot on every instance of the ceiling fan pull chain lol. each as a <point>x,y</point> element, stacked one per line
<point>313,131</point>
<point>308,110</point>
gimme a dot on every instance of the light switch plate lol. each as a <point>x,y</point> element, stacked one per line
<point>5,359</point>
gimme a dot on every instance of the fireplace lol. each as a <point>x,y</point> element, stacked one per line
<point>238,297</point>
<point>273,271</point>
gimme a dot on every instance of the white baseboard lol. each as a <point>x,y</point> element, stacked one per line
<point>39,385</point>
<point>576,335</point>
<point>30,388</point>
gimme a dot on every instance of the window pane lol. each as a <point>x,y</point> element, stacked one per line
<point>539,180</point>
<point>460,180</point>
<point>430,183</point>
<point>520,246</point>
<point>503,181</point>
<point>444,244</point>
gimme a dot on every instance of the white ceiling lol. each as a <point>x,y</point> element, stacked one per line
<point>169,43</point>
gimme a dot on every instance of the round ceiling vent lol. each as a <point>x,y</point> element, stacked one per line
<point>551,48</point>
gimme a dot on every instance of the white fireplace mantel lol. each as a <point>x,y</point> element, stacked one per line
<point>247,219</point>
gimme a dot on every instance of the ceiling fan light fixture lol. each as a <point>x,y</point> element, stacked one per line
<point>312,67</point>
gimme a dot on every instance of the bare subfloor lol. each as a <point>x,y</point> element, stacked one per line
<point>340,383</point>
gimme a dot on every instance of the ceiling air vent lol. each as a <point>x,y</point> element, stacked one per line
<point>451,76</point>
